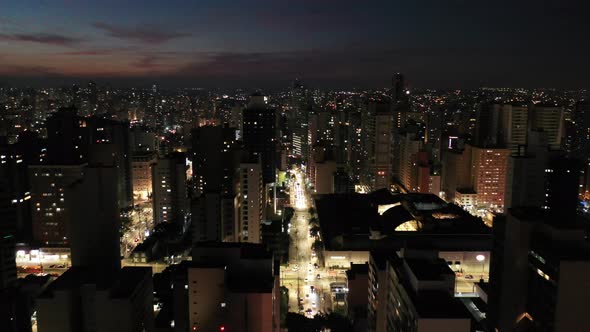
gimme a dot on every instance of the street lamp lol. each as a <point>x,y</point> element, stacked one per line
<point>481,258</point>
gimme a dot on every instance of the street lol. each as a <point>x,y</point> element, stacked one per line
<point>308,294</point>
<point>139,228</point>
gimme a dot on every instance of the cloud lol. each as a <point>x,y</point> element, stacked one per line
<point>26,71</point>
<point>145,33</point>
<point>42,38</point>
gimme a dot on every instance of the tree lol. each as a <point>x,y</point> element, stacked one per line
<point>314,231</point>
<point>337,323</point>
<point>314,222</point>
<point>284,304</point>
<point>317,246</point>
<point>300,323</point>
<point>311,210</point>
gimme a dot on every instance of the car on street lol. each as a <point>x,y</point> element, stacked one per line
<point>318,276</point>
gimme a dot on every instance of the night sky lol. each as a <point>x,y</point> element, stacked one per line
<point>326,43</point>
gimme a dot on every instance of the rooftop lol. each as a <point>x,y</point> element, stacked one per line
<point>355,216</point>
<point>439,304</point>
<point>122,286</point>
<point>432,269</point>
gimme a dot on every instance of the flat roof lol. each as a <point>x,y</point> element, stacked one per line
<point>439,305</point>
<point>123,285</point>
<point>429,269</point>
<point>353,216</point>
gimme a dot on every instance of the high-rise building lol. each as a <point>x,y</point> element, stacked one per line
<point>7,252</point>
<point>579,130</point>
<point>413,294</point>
<point>539,269</point>
<point>94,227</point>
<point>170,189</point>
<point>260,134</point>
<point>410,146</point>
<point>382,149</point>
<point>110,144</point>
<point>214,159</point>
<point>251,204</point>
<point>66,141</point>
<point>526,172</point>
<point>488,176</point>
<point>550,119</point>
<point>143,165</point>
<point>49,199</point>
<point>211,293</point>
<point>213,217</point>
<point>15,190</point>
<point>324,176</point>
<point>398,87</point>
<point>488,125</point>
<point>563,177</point>
<point>298,119</point>
<point>79,300</point>
<point>514,126</point>
<point>73,140</point>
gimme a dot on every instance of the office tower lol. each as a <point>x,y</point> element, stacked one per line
<point>456,171</point>
<point>170,189</point>
<point>92,206</point>
<point>250,196</point>
<point>488,176</point>
<point>79,300</point>
<point>49,199</point>
<point>260,134</point>
<point>143,164</point>
<point>539,272</point>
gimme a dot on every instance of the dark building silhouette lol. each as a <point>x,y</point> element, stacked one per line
<point>260,134</point>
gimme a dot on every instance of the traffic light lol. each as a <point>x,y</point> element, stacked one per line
<point>194,327</point>
<point>222,328</point>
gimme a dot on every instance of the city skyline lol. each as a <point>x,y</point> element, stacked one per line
<point>265,43</point>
